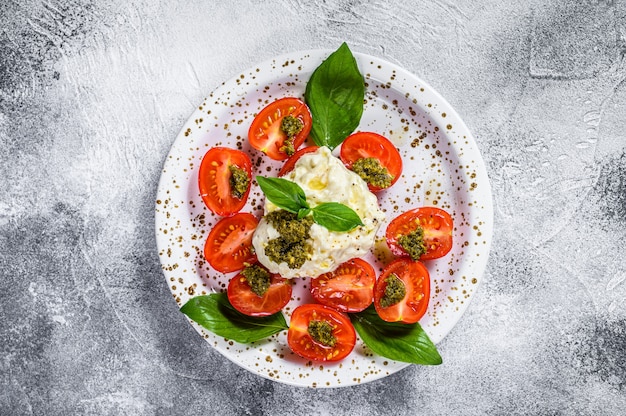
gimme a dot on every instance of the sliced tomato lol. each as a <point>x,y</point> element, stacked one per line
<point>436,223</point>
<point>416,281</point>
<point>249,303</point>
<point>265,133</point>
<point>349,288</point>
<point>302,343</point>
<point>291,162</point>
<point>372,145</point>
<point>229,244</point>
<point>214,180</point>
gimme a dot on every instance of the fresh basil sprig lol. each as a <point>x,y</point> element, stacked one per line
<point>397,341</point>
<point>290,197</point>
<point>335,94</point>
<point>215,313</point>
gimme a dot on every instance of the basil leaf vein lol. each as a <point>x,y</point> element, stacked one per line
<point>396,341</point>
<point>335,93</point>
<point>215,313</point>
<point>283,193</point>
<point>336,216</point>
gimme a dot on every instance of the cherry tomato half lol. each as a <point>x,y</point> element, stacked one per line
<point>436,223</point>
<point>416,281</point>
<point>340,339</point>
<point>249,303</point>
<point>349,288</point>
<point>265,133</point>
<point>371,145</point>
<point>229,244</point>
<point>291,162</point>
<point>214,180</point>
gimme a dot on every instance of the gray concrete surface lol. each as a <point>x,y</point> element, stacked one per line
<point>92,95</point>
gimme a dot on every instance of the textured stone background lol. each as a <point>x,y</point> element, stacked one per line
<point>93,93</point>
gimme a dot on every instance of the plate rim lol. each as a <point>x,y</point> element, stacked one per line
<point>479,167</point>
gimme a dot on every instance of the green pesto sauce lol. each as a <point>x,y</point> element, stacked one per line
<point>288,147</point>
<point>372,172</point>
<point>292,246</point>
<point>322,332</point>
<point>257,278</point>
<point>239,181</point>
<point>413,243</point>
<point>291,126</point>
<point>395,291</point>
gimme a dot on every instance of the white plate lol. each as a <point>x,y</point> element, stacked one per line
<point>442,167</point>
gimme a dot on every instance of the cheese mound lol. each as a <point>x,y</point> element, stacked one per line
<point>325,179</point>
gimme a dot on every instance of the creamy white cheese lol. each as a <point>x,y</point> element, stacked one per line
<point>325,179</point>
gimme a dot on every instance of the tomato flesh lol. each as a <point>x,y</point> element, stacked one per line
<point>416,280</point>
<point>249,303</point>
<point>372,145</point>
<point>436,223</point>
<point>349,288</point>
<point>229,244</point>
<point>265,133</point>
<point>214,180</point>
<point>302,343</point>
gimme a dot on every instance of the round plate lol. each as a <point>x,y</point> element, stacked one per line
<point>442,167</point>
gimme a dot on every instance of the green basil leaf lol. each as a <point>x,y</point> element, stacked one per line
<point>335,94</point>
<point>283,193</point>
<point>303,212</point>
<point>215,313</point>
<point>400,342</point>
<point>336,216</point>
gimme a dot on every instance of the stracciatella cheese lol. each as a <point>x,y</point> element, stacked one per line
<point>325,179</point>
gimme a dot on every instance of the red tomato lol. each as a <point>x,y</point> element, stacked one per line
<point>302,343</point>
<point>291,162</point>
<point>265,132</point>
<point>249,303</point>
<point>437,225</point>
<point>214,179</point>
<point>366,144</point>
<point>350,288</point>
<point>229,244</point>
<point>416,280</point>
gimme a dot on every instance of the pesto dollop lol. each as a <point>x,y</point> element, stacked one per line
<point>239,181</point>
<point>395,291</point>
<point>257,278</point>
<point>291,126</point>
<point>322,332</point>
<point>413,243</point>
<point>372,172</point>
<point>292,246</point>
